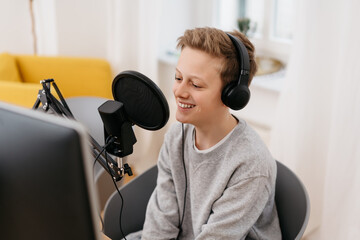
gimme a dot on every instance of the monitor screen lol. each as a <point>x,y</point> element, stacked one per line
<point>46,182</point>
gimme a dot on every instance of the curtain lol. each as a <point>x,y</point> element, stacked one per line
<point>133,35</point>
<point>133,45</point>
<point>317,128</point>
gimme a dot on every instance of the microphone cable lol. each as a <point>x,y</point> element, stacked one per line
<point>122,202</point>
<point>183,160</point>
<point>109,140</point>
<point>96,158</point>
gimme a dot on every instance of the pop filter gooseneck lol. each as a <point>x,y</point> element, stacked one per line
<point>138,101</point>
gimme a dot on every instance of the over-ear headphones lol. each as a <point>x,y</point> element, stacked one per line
<point>236,94</point>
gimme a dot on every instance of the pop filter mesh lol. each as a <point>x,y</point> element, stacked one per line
<point>144,103</point>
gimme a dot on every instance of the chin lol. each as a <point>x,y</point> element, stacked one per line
<point>182,119</point>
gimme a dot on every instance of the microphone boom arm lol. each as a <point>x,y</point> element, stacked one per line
<point>49,102</point>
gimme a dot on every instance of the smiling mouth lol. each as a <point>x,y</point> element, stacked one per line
<point>182,105</point>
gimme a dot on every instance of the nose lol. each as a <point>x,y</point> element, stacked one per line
<point>180,89</point>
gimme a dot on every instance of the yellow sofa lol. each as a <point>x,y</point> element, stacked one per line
<point>20,77</point>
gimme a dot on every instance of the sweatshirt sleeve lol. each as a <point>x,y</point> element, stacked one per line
<point>237,210</point>
<point>162,216</point>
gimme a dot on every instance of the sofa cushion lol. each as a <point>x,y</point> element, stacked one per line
<point>74,76</point>
<point>8,68</point>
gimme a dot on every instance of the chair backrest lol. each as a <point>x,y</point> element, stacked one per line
<point>85,110</point>
<point>291,199</point>
<point>136,195</point>
<point>292,203</point>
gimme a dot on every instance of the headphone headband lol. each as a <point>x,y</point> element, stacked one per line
<point>243,59</point>
<point>236,94</point>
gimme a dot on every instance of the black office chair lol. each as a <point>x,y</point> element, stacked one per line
<point>292,203</point>
<point>291,198</point>
<point>136,195</point>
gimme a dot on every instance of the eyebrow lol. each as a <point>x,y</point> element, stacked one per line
<point>191,75</point>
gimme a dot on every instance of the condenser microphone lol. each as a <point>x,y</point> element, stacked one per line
<point>137,101</point>
<point>117,128</point>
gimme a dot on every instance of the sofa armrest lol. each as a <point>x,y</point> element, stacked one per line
<point>21,94</point>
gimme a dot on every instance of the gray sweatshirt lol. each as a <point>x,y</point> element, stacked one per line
<point>229,194</point>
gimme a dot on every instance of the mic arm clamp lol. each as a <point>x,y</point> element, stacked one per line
<point>127,169</point>
<point>124,168</point>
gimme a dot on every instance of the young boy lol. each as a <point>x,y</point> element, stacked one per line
<point>216,177</point>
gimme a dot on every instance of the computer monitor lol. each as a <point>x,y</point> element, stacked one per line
<point>46,182</point>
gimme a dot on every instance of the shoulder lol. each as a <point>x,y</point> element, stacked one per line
<point>176,132</point>
<point>245,140</point>
<point>177,129</point>
<point>249,154</point>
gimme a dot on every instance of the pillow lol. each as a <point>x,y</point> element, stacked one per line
<point>8,68</point>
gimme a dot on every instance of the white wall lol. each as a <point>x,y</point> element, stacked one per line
<point>15,27</point>
<point>70,28</point>
<point>82,27</point>
<point>179,15</point>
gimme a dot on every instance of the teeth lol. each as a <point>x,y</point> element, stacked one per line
<point>186,105</point>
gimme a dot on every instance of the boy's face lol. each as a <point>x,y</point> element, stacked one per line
<point>197,88</point>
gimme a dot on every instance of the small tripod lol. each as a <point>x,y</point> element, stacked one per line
<point>50,103</point>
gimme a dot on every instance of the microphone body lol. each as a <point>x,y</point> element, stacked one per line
<point>116,125</point>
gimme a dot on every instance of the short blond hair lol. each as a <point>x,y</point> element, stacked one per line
<point>218,44</point>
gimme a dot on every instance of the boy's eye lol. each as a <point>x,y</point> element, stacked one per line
<point>196,86</point>
<point>177,78</point>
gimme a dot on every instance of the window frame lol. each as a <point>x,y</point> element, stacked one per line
<point>266,43</point>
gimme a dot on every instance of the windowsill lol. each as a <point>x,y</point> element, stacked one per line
<point>272,82</point>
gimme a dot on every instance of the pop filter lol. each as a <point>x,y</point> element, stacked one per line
<point>144,103</point>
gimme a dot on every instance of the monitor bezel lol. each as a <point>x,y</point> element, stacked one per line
<point>85,149</point>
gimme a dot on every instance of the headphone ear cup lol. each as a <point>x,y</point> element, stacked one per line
<point>225,92</point>
<point>235,96</point>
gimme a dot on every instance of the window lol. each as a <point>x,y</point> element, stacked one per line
<point>253,10</point>
<point>283,19</point>
<point>274,23</point>
<point>271,23</point>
